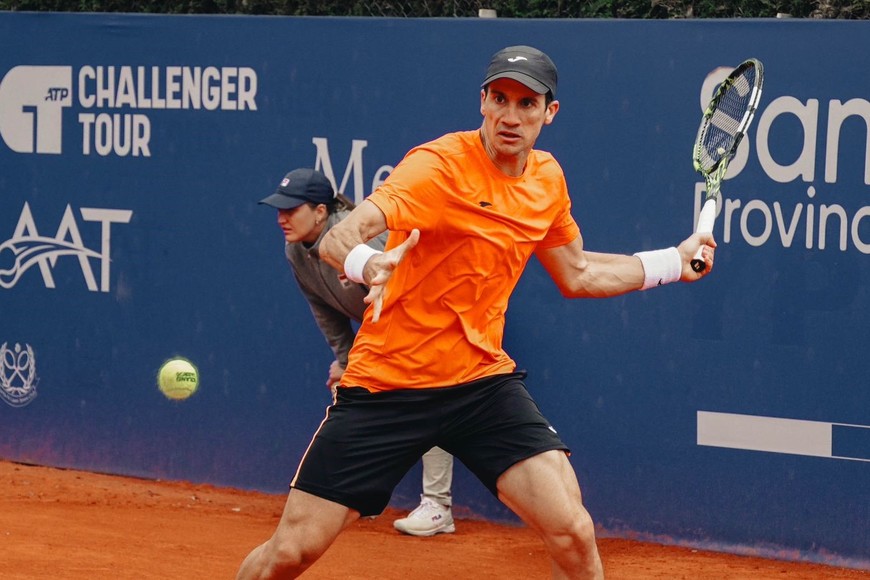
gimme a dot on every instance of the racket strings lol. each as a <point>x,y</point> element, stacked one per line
<point>727,120</point>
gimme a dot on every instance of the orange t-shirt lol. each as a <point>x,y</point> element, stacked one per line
<point>444,306</point>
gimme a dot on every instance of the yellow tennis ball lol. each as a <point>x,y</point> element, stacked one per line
<point>178,379</point>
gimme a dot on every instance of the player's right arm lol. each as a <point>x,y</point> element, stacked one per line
<point>582,274</point>
<point>579,273</point>
<point>364,223</point>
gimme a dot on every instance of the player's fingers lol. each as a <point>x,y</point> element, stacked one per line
<point>375,298</point>
<point>384,266</point>
<point>382,274</point>
<point>398,253</point>
<point>709,254</point>
<point>707,251</point>
<point>370,297</point>
<point>706,255</point>
<point>707,239</point>
<point>376,308</point>
<point>388,261</point>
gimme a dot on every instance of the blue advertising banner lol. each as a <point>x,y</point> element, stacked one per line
<point>732,413</point>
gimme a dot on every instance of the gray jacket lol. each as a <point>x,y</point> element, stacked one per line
<point>333,299</point>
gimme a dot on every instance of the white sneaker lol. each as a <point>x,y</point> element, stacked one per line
<point>427,519</point>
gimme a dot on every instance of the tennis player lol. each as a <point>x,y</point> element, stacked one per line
<point>465,213</point>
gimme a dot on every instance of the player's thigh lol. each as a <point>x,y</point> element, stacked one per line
<point>543,490</point>
<point>495,425</point>
<point>364,447</point>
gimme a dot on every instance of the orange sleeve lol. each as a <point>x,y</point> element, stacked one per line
<point>411,191</point>
<point>564,228</point>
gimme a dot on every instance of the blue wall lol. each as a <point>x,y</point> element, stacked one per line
<point>130,233</point>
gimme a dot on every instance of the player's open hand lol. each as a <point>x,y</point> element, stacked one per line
<point>689,248</point>
<point>380,268</point>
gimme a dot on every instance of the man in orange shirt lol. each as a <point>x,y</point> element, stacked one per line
<point>465,214</point>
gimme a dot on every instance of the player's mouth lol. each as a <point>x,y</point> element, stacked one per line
<point>509,137</point>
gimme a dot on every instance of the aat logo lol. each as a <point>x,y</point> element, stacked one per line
<point>17,374</point>
<point>32,99</point>
<point>28,248</point>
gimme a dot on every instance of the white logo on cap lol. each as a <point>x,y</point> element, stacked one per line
<point>284,182</point>
<point>516,58</point>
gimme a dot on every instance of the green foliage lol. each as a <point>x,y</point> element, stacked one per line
<point>647,9</point>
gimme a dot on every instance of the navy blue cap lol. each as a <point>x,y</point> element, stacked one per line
<point>301,186</point>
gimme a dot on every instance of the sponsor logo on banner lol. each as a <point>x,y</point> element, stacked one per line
<point>113,104</point>
<point>27,248</point>
<point>17,374</point>
<point>353,171</point>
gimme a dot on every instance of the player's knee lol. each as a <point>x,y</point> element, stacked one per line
<point>287,559</point>
<point>575,535</point>
<point>584,529</point>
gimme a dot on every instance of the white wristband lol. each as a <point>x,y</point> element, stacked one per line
<point>660,267</point>
<point>355,262</point>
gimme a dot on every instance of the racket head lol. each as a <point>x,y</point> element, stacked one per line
<point>728,116</point>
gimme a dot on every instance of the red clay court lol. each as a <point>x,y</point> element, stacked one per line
<point>57,523</point>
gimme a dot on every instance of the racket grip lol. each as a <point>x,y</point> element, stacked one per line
<point>706,219</point>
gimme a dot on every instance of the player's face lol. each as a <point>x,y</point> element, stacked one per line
<point>302,223</point>
<point>513,116</point>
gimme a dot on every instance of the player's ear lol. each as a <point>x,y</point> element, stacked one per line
<point>482,99</point>
<point>552,109</point>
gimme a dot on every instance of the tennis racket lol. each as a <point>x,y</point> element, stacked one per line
<point>723,125</point>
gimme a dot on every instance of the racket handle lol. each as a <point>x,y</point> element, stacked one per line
<point>705,226</point>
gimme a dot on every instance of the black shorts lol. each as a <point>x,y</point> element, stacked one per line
<point>369,441</point>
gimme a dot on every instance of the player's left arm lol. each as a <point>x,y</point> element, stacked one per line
<point>364,222</point>
<point>579,273</point>
<point>370,267</point>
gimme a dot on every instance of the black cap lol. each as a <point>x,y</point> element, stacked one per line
<point>524,64</point>
<point>301,186</point>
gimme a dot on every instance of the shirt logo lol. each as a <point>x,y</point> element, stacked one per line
<point>485,204</point>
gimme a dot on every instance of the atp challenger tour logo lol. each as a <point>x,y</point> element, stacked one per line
<point>27,248</point>
<point>17,374</point>
<point>787,139</point>
<point>33,100</point>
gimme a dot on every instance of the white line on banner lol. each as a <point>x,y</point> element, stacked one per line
<point>776,435</point>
